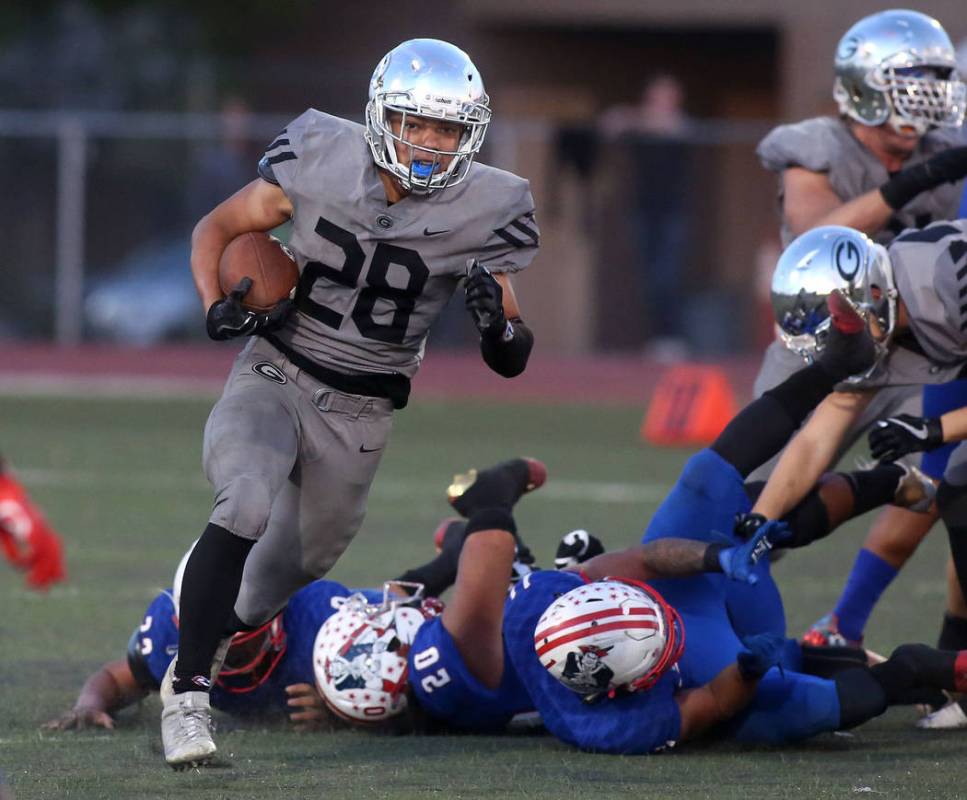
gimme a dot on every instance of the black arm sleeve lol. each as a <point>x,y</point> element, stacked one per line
<point>139,667</point>
<point>507,353</point>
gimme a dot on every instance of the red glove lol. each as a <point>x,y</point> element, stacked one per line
<point>27,539</point>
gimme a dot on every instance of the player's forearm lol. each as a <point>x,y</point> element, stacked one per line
<point>954,425</point>
<point>110,688</point>
<point>868,213</point>
<point>208,241</point>
<point>662,558</point>
<point>720,699</point>
<point>809,454</point>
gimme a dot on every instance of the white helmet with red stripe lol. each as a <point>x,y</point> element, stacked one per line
<point>360,656</point>
<point>609,635</point>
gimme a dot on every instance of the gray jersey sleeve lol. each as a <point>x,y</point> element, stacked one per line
<point>283,159</point>
<point>813,144</point>
<point>513,242</point>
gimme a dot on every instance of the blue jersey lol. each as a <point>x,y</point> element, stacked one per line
<point>155,643</point>
<point>642,722</point>
<point>716,611</point>
<point>702,506</point>
<point>447,690</point>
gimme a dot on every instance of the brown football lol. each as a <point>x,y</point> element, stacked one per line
<point>256,256</point>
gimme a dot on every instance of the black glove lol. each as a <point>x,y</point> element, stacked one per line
<point>762,651</point>
<point>894,437</point>
<point>946,166</point>
<point>485,302</point>
<point>747,525</point>
<point>228,318</point>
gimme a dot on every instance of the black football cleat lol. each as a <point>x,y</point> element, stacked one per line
<point>500,486</point>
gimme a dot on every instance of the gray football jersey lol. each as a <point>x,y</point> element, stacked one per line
<point>825,144</point>
<point>930,269</point>
<point>373,276</point>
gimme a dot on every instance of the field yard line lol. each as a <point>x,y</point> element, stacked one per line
<point>604,492</point>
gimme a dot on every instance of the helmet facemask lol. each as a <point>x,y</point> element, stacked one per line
<point>921,96</point>
<point>421,176</point>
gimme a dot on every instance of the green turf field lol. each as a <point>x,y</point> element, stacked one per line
<point>122,481</point>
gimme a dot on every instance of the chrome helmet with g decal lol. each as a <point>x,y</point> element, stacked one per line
<point>899,67</point>
<point>819,261</point>
<point>434,79</point>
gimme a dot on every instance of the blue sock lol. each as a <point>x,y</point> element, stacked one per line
<point>867,581</point>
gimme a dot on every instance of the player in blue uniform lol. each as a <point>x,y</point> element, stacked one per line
<point>267,670</point>
<point>718,675</point>
<point>462,670</point>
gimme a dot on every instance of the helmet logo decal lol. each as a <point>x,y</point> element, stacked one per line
<point>848,47</point>
<point>846,256</point>
<point>584,667</point>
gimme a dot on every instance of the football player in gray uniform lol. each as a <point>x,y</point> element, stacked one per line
<point>387,219</point>
<point>912,294</point>
<point>893,159</point>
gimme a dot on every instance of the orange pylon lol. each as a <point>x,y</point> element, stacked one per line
<point>692,404</point>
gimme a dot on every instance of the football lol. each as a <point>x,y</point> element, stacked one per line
<point>256,256</point>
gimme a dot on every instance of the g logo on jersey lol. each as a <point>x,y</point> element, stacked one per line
<point>847,257</point>
<point>268,370</point>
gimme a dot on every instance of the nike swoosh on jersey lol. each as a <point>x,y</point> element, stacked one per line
<point>920,433</point>
<point>364,449</point>
<point>428,232</point>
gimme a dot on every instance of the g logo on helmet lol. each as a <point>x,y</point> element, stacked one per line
<point>847,258</point>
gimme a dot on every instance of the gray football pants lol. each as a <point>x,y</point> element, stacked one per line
<point>780,362</point>
<point>291,461</point>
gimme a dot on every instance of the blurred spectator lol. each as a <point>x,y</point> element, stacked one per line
<point>656,131</point>
<point>225,166</point>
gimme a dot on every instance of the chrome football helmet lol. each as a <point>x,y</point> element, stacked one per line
<point>426,78</point>
<point>361,654</point>
<point>821,260</point>
<point>899,67</point>
<point>608,636</point>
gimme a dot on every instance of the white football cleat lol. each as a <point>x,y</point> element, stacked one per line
<point>948,718</point>
<point>186,729</point>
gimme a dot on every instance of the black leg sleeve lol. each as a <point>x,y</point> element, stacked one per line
<point>860,697</point>
<point>913,666</point>
<point>440,573</point>
<point>952,503</point>
<point>953,633</point>
<point>764,426</point>
<point>208,593</point>
<point>873,488</point>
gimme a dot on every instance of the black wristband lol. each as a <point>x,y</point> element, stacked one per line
<point>710,558</point>
<point>943,167</point>
<point>507,353</point>
<point>489,519</point>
